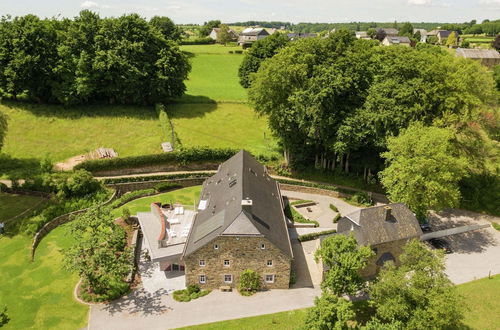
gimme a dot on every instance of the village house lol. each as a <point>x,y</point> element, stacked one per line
<point>251,35</point>
<point>442,35</point>
<point>389,41</point>
<point>389,32</point>
<point>386,229</point>
<point>300,35</point>
<point>362,35</point>
<point>238,224</point>
<point>215,32</point>
<point>487,57</point>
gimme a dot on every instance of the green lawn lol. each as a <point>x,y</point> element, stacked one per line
<point>186,196</point>
<point>37,130</point>
<point>214,75</point>
<point>284,320</point>
<point>39,295</point>
<point>222,125</point>
<point>482,303</point>
<point>12,205</point>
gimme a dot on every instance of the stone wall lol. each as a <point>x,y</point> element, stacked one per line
<point>125,187</point>
<point>243,253</point>
<point>175,167</point>
<point>394,247</point>
<point>310,190</point>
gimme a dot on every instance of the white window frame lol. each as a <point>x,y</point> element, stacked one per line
<point>216,246</point>
<point>265,278</point>
<point>228,263</point>
<point>202,279</point>
<point>269,263</point>
<point>262,246</point>
<point>202,263</point>
<point>230,281</point>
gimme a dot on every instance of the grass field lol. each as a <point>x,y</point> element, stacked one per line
<point>209,49</point>
<point>213,77</point>
<point>37,130</point>
<point>222,125</point>
<point>13,205</point>
<point>39,294</point>
<point>186,196</point>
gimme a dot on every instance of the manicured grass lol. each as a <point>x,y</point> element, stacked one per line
<point>284,320</point>
<point>209,49</point>
<point>12,205</point>
<point>214,75</point>
<point>39,294</point>
<point>187,196</point>
<point>37,130</point>
<point>222,125</point>
<point>482,303</point>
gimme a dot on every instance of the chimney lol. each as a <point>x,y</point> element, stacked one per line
<point>387,212</point>
<point>246,205</point>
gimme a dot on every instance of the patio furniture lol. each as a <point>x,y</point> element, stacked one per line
<point>225,288</point>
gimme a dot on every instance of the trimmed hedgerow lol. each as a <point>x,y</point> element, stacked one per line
<point>295,216</point>
<point>311,236</point>
<point>496,225</point>
<point>334,208</point>
<point>191,292</point>
<point>336,218</point>
<point>131,196</point>
<point>181,157</point>
<point>157,177</point>
<point>165,186</point>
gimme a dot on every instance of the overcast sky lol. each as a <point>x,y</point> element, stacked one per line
<point>198,11</point>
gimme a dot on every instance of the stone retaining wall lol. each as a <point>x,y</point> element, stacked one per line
<point>201,166</point>
<point>125,187</point>
<point>311,190</point>
<point>56,222</point>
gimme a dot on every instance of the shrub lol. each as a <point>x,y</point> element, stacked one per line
<point>231,52</point>
<point>293,277</point>
<point>302,201</point>
<point>311,236</point>
<point>78,183</point>
<point>157,177</point>
<point>334,208</point>
<point>360,198</point>
<point>125,214</point>
<point>336,218</point>
<point>249,281</point>
<point>4,318</point>
<point>3,187</point>
<point>190,293</point>
<point>496,225</point>
<point>193,288</point>
<point>238,52</point>
<point>295,216</point>
<point>180,157</point>
<point>131,196</point>
<point>165,186</point>
<point>198,41</point>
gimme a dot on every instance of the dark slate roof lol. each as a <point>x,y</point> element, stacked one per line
<point>391,31</point>
<point>243,200</point>
<point>399,40</point>
<point>477,53</point>
<point>370,226</point>
<point>445,33</point>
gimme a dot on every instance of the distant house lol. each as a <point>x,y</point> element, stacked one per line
<point>251,35</point>
<point>215,32</point>
<point>238,224</point>
<point>423,34</point>
<point>442,36</point>
<point>389,32</point>
<point>296,36</point>
<point>487,57</point>
<point>362,35</point>
<point>389,41</point>
<point>386,229</point>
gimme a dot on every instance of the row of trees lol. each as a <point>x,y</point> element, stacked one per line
<point>336,102</point>
<point>415,295</point>
<point>116,60</point>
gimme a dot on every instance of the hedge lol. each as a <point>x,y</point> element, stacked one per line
<point>181,157</point>
<point>157,177</point>
<point>198,41</point>
<point>131,196</point>
<point>311,236</point>
<point>168,133</point>
<point>309,184</point>
<point>336,218</point>
<point>166,186</point>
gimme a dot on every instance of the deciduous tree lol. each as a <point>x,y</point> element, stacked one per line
<point>167,27</point>
<point>329,312</point>
<point>206,28</point>
<point>224,36</point>
<point>423,169</point>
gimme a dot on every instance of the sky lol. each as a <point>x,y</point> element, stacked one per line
<point>295,11</point>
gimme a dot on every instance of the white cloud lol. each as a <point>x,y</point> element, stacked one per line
<point>489,2</point>
<point>92,4</point>
<point>420,2</point>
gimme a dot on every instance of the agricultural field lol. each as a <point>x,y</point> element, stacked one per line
<point>222,125</point>
<point>480,41</point>
<point>35,131</point>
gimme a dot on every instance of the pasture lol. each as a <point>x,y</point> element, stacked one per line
<point>35,131</point>
<point>222,125</point>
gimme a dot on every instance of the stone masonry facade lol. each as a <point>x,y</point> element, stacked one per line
<point>395,248</point>
<point>231,255</point>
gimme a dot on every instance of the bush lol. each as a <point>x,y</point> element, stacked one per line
<point>157,177</point>
<point>293,277</point>
<point>190,293</point>
<point>360,199</point>
<point>311,236</point>
<point>238,52</point>
<point>336,218</point>
<point>4,318</point>
<point>231,52</point>
<point>334,208</point>
<point>302,201</point>
<point>295,216</point>
<point>496,225</point>
<point>125,214</point>
<point>131,196</point>
<point>179,157</point>
<point>166,186</point>
<point>193,288</point>
<point>78,183</point>
<point>198,41</point>
<point>249,282</point>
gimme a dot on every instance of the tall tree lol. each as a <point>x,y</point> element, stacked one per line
<point>452,39</point>
<point>329,312</point>
<point>99,254</point>
<point>406,30</point>
<point>344,259</point>
<point>167,27</point>
<point>261,49</point>
<point>424,169</point>
<point>224,35</point>
<point>418,294</point>
<point>206,28</point>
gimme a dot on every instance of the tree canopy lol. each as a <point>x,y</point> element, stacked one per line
<point>167,27</point>
<point>115,60</point>
<point>223,37</point>
<point>206,28</point>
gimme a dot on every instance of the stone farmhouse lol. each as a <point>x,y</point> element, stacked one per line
<point>389,32</point>
<point>215,32</point>
<point>403,41</point>
<point>487,57</point>
<point>238,224</point>
<point>386,229</point>
<point>251,35</point>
